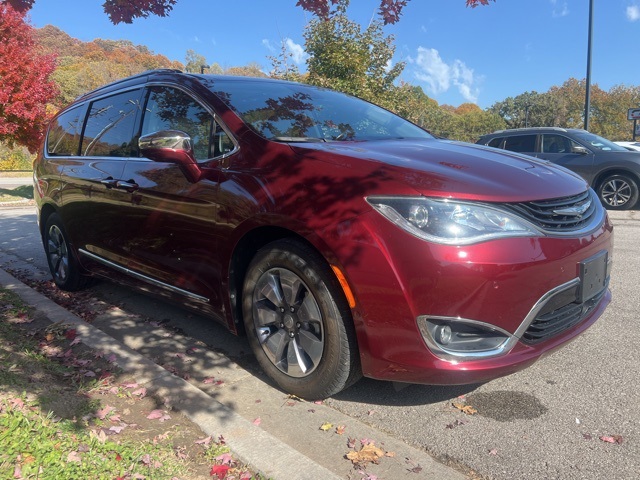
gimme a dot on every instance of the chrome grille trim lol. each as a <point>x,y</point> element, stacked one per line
<point>550,217</point>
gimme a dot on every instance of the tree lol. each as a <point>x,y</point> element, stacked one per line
<point>25,89</point>
<point>120,11</point>
<point>345,57</point>
<point>194,62</point>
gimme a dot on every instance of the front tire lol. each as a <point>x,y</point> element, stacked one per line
<point>66,272</point>
<point>618,192</point>
<point>298,322</point>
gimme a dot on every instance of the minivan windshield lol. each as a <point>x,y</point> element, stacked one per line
<point>291,112</point>
<point>599,143</point>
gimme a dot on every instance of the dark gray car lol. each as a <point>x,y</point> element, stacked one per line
<point>612,170</point>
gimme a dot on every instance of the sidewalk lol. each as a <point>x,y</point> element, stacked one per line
<point>276,435</point>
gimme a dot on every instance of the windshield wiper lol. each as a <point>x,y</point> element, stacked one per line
<point>298,139</point>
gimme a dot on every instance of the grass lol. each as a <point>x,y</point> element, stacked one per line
<point>67,412</point>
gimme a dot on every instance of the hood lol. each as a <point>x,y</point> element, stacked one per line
<point>451,169</point>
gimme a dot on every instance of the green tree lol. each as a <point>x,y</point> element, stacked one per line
<point>194,62</point>
<point>345,57</point>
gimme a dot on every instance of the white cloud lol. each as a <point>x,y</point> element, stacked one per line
<point>298,54</point>
<point>560,9</point>
<point>633,13</point>
<point>267,44</point>
<point>441,76</point>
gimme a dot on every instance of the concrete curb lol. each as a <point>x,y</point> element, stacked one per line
<point>252,445</point>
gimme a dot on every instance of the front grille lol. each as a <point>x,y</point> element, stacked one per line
<point>550,323</point>
<point>560,215</point>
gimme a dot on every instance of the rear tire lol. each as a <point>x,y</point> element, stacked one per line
<point>65,270</point>
<point>618,192</point>
<point>298,322</point>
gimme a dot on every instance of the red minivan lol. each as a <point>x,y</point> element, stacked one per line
<point>340,238</point>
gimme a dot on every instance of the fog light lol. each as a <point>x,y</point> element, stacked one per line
<point>443,334</point>
<point>462,339</point>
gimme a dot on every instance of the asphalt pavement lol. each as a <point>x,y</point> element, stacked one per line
<point>548,421</point>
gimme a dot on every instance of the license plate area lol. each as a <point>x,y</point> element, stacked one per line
<point>593,276</point>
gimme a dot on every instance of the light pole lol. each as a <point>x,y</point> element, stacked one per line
<point>587,99</point>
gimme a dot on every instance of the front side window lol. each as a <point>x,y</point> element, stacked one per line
<point>521,143</point>
<point>172,109</point>
<point>292,112</point>
<point>553,143</point>
<point>64,135</point>
<point>110,126</point>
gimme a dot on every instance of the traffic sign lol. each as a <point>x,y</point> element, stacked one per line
<point>633,114</point>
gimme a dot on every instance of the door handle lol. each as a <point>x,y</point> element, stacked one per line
<point>129,186</point>
<point>109,182</point>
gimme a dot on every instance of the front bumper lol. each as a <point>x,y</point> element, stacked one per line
<point>510,285</point>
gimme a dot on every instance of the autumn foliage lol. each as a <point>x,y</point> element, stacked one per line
<point>120,11</point>
<point>25,89</point>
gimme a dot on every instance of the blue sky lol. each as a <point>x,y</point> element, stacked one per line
<point>456,54</point>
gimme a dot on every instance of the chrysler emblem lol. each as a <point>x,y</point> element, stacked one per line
<point>576,211</point>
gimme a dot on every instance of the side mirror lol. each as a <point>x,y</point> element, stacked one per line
<point>579,149</point>
<point>171,146</point>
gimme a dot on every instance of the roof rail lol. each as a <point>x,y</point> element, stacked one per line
<point>558,129</point>
<point>126,79</point>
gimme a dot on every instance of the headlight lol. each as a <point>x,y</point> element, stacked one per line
<point>451,222</point>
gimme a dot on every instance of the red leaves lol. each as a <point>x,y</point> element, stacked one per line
<point>125,12</point>
<point>219,471</point>
<point>25,89</point>
<point>475,3</point>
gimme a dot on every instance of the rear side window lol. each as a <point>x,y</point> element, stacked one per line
<point>521,143</point>
<point>172,109</point>
<point>64,134</point>
<point>495,142</point>
<point>110,126</point>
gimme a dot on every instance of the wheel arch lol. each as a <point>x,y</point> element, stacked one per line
<point>602,176</point>
<point>45,212</point>
<point>244,251</point>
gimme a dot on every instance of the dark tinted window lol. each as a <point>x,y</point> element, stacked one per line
<point>64,134</point>
<point>495,142</point>
<point>554,143</point>
<point>521,143</point>
<point>294,112</point>
<point>172,109</point>
<point>109,130</point>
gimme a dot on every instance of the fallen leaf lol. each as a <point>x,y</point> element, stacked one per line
<point>141,392</point>
<point>466,409</point>
<point>116,429</point>
<point>205,441</point>
<point>209,380</point>
<point>257,421</point>
<point>220,471</point>
<point>367,454</point>
<point>70,334</point>
<point>493,451</point>
<point>416,469</point>
<point>340,429</point>
<point>351,442</point>
<point>225,459</point>
<point>158,415</point>
<point>617,439</point>
<point>326,426</point>
<point>74,457</point>
<point>102,413</point>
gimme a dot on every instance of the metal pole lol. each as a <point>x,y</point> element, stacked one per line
<point>587,99</point>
